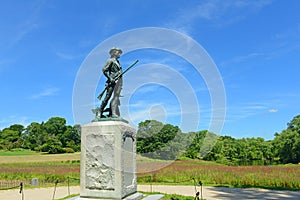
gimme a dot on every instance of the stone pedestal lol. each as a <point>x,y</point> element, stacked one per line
<point>108,161</point>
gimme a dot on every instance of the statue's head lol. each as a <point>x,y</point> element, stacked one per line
<point>115,52</point>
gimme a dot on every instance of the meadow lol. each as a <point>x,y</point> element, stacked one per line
<point>64,167</point>
<point>187,172</point>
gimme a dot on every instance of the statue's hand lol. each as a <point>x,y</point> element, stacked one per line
<point>111,80</point>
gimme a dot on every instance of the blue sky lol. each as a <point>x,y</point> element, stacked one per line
<point>255,46</point>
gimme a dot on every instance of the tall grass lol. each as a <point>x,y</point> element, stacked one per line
<point>44,171</point>
<point>186,172</point>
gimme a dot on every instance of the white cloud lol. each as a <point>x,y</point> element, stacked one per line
<point>243,111</point>
<point>285,42</point>
<point>289,33</point>
<point>67,56</point>
<point>29,23</point>
<point>218,12</point>
<point>242,58</point>
<point>273,110</point>
<point>26,29</point>
<point>52,91</point>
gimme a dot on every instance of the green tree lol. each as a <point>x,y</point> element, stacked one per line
<point>193,151</point>
<point>55,126</point>
<point>294,124</point>
<point>155,140</point>
<point>35,136</point>
<point>52,146</point>
<point>71,137</point>
<point>245,151</point>
<point>147,136</point>
<point>11,137</point>
<point>287,144</point>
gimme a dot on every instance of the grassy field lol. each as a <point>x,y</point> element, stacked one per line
<point>27,156</point>
<point>184,172</point>
<point>18,152</point>
<point>189,171</point>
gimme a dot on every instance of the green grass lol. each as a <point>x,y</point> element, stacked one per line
<point>67,197</point>
<point>19,152</point>
<point>171,196</point>
<point>177,197</point>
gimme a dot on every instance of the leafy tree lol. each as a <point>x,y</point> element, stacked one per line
<point>147,136</point>
<point>171,143</point>
<point>197,138</point>
<point>17,127</point>
<point>155,140</point>
<point>55,126</point>
<point>53,146</point>
<point>243,151</point>
<point>287,146</point>
<point>71,137</point>
<point>294,124</point>
<point>10,137</point>
<point>35,136</point>
<point>39,136</point>
<point>287,143</point>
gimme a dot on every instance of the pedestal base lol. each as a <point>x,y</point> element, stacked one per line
<point>135,196</point>
<point>108,160</point>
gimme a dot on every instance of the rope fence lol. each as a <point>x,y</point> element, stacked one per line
<point>16,184</point>
<point>13,184</point>
<point>197,183</point>
<point>8,185</point>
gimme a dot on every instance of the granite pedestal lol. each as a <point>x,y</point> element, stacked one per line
<point>108,161</point>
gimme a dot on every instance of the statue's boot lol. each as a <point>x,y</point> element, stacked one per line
<point>102,110</point>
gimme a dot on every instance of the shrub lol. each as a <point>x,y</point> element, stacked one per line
<point>69,150</point>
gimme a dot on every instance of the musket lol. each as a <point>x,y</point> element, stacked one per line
<point>116,78</point>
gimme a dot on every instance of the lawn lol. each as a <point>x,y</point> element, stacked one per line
<point>18,152</point>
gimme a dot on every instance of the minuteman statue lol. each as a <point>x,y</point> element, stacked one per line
<point>112,70</point>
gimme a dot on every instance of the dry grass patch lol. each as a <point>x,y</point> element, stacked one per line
<point>39,158</point>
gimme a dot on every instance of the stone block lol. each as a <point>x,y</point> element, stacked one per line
<point>108,160</point>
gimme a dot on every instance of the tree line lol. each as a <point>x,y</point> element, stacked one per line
<point>52,136</point>
<point>164,141</point>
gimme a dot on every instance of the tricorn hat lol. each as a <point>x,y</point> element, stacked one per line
<point>112,50</point>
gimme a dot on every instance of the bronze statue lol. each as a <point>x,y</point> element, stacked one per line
<point>113,72</point>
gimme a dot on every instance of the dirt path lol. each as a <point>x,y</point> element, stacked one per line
<point>208,193</point>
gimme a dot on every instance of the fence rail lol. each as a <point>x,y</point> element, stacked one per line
<point>18,184</point>
<point>12,184</point>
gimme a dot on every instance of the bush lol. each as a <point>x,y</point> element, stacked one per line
<point>56,149</point>
<point>69,150</point>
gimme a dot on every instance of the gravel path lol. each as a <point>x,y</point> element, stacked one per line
<point>208,193</point>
